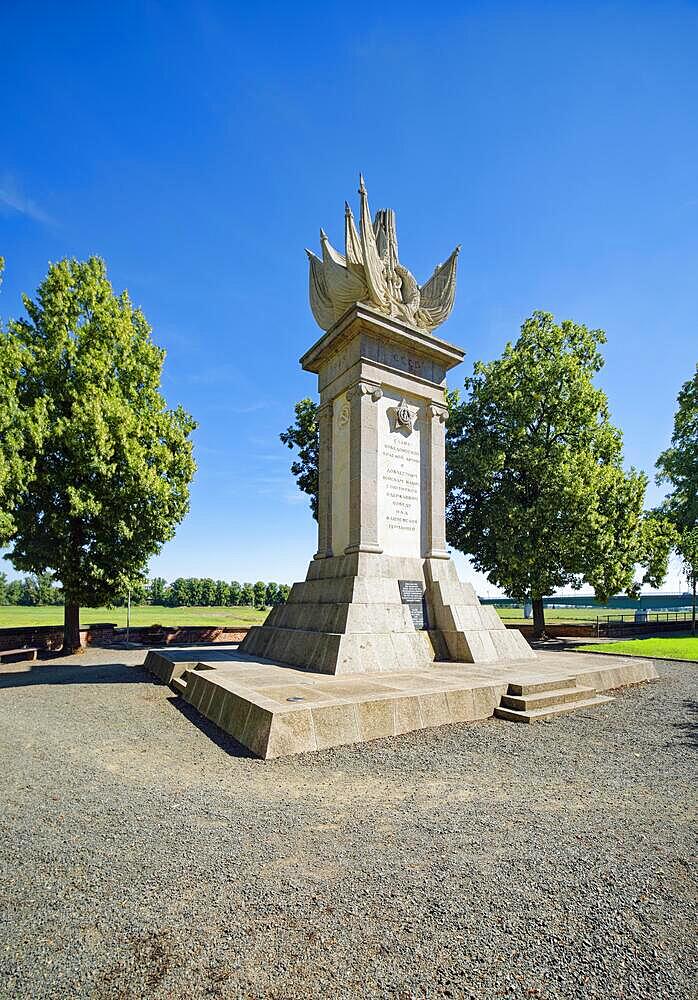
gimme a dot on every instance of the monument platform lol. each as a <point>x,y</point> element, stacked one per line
<point>276,710</point>
<point>381,594</point>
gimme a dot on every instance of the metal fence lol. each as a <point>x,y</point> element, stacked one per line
<point>625,623</point>
<point>632,624</point>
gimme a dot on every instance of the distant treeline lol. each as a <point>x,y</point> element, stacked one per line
<point>32,590</point>
<point>194,591</point>
<point>189,591</point>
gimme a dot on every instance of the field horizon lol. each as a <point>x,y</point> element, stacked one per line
<point>16,615</point>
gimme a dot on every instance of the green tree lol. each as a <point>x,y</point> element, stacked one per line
<point>38,590</point>
<point>208,592</point>
<point>115,462</point>
<point>157,590</point>
<point>179,592</point>
<point>687,548</point>
<point>303,435</point>
<point>271,595</point>
<point>235,592</point>
<point>14,593</point>
<point>536,491</point>
<point>678,465</point>
<point>222,593</point>
<point>247,595</point>
<point>3,588</point>
<point>136,593</point>
<point>282,594</point>
<point>260,594</point>
<point>21,429</point>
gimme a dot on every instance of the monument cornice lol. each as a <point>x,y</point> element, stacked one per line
<point>362,319</point>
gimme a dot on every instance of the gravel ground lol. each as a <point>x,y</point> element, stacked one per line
<point>144,856</point>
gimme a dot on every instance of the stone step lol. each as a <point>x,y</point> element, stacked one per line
<point>542,699</point>
<point>534,687</point>
<point>179,684</point>
<point>541,714</point>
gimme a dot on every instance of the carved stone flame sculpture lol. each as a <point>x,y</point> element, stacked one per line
<point>370,272</point>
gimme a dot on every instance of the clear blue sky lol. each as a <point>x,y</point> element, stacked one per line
<point>198,147</point>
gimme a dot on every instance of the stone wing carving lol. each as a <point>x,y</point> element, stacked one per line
<point>437,295</point>
<point>370,271</point>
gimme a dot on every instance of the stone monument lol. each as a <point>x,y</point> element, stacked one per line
<point>381,593</point>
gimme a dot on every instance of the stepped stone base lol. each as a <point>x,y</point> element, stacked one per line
<point>276,710</point>
<point>348,617</point>
<point>541,700</point>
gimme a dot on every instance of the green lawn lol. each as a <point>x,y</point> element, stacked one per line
<point>149,614</point>
<point>671,648</point>
<point>570,614</point>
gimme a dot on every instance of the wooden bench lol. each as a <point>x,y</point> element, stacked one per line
<point>27,653</point>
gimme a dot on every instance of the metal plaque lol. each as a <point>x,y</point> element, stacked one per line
<point>412,594</point>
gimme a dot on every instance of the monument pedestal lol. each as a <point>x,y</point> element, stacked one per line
<point>381,593</point>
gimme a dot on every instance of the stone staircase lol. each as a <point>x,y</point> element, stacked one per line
<point>179,684</point>
<point>541,700</point>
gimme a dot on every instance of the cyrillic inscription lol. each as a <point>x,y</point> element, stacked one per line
<point>399,483</point>
<point>412,594</point>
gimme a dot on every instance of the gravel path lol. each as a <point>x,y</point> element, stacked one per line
<point>140,858</point>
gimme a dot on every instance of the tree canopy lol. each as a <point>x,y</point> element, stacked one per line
<point>536,490</point>
<point>678,465</point>
<point>19,426</point>
<point>114,464</point>
<point>303,435</point>
<point>687,548</point>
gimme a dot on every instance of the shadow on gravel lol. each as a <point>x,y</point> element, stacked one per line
<point>216,735</point>
<point>74,673</point>
<point>690,727</point>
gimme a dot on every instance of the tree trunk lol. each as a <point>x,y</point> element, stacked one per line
<point>693,614</point>
<point>538,618</point>
<point>71,629</point>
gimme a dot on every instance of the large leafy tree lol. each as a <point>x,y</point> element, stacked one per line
<point>536,490</point>
<point>114,465</point>
<point>20,426</point>
<point>303,435</point>
<point>687,548</point>
<point>678,465</point>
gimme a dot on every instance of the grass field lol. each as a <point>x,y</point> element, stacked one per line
<point>570,614</point>
<point>671,648</point>
<point>150,614</point>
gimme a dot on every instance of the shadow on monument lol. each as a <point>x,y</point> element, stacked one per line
<point>224,742</point>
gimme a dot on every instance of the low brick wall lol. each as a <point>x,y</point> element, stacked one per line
<point>160,635</point>
<point>50,637</point>
<point>556,631</point>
